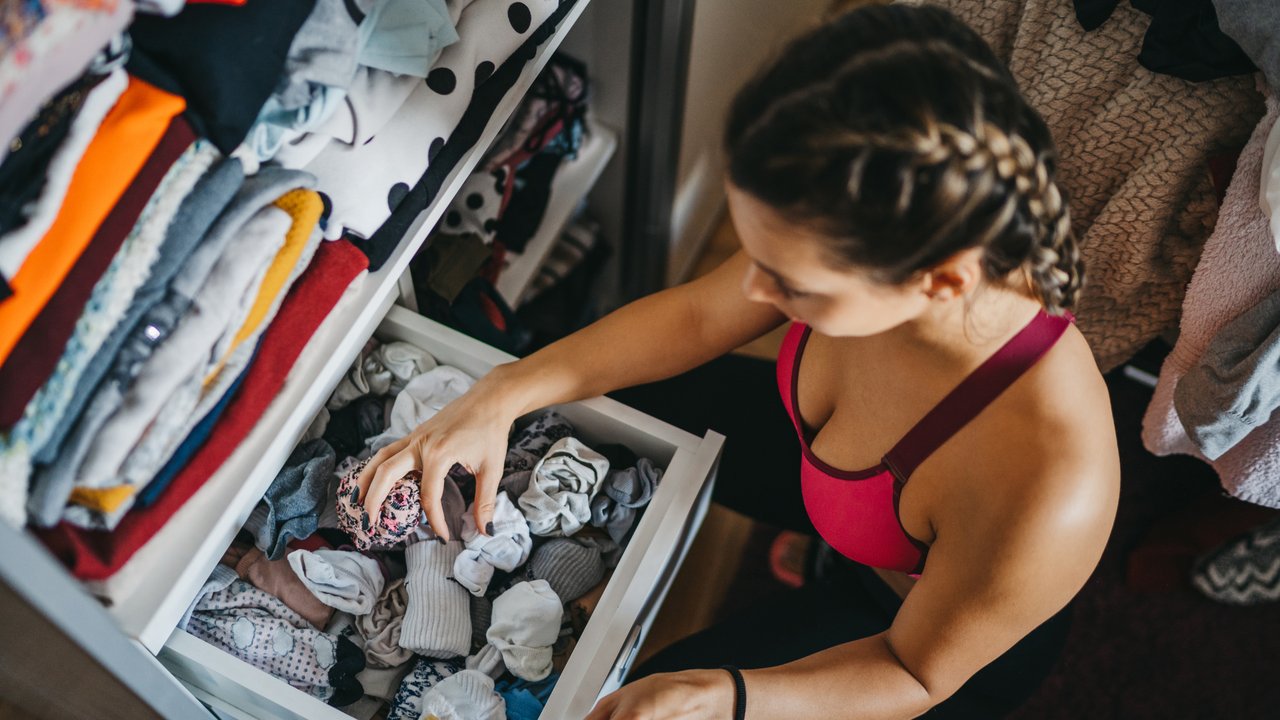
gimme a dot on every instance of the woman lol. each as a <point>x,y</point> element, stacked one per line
<point>896,202</point>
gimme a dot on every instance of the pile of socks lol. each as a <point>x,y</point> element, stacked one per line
<point>518,595</point>
<point>477,626</point>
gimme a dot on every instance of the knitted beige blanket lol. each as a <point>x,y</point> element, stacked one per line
<point>1133,145</point>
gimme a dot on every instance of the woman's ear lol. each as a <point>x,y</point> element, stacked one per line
<point>954,277</point>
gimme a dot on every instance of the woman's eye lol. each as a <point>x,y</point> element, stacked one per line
<point>789,293</point>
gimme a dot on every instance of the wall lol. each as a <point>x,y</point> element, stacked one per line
<point>602,39</point>
<point>731,40</point>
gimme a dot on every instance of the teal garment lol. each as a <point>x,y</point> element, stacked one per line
<point>277,125</point>
<point>525,700</point>
<point>405,37</point>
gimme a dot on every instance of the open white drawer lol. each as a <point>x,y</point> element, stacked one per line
<point>630,602</point>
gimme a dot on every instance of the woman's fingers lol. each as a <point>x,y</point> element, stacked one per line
<point>434,471</point>
<point>365,478</point>
<point>434,453</point>
<point>604,709</point>
<point>389,471</point>
<point>487,480</point>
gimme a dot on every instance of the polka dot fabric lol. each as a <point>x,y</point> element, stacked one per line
<point>400,515</point>
<point>260,629</point>
<point>477,206</point>
<point>490,31</point>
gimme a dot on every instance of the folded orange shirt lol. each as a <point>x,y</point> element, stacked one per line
<point>126,138</point>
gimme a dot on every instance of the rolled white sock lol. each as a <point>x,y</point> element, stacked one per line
<point>526,624</point>
<point>468,695</point>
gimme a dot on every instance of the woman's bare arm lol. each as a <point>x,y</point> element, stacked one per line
<point>653,338</point>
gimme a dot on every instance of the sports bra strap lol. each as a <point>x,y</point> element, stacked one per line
<point>975,392</point>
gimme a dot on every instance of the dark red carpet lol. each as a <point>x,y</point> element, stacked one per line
<point>1160,654</point>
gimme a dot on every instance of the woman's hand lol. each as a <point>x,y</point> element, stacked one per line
<point>687,695</point>
<point>470,431</point>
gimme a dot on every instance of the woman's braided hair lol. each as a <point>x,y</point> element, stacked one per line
<point>896,132</point>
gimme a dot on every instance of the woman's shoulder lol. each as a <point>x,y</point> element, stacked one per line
<point>1048,441</point>
<point>1063,401</point>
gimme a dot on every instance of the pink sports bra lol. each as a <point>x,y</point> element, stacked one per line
<point>856,511</point>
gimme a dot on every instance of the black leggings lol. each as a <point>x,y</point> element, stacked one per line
<point>758,477</point>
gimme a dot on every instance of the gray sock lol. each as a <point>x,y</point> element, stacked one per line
<point>437,619</point>
<point>526,624</point>
<point>622,499</point>
<point>557,502</point>
<point>296,497</point>
<point>570,566</point>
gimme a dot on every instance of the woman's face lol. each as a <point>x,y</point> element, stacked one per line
<point>790,271</point>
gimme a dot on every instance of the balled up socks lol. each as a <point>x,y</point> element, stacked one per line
<point>277,578</point>
<point>505,548</point>
<point>623,497</point>
<point>293,503</point>
<point>532,441</point>
<point>396,519</point>
<point>467,695</point>
<point>381,628</point>
<point>558,501</point>
<point>343,580</point>
<point>526,624</point>
<point>425,675</point>
<point>437,619</point>
<point>381,369</point>
<point>571,566</point>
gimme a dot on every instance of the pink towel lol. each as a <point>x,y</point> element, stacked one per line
<point>1238,268</point>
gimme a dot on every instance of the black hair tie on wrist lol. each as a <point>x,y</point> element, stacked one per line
<point>739,692</point>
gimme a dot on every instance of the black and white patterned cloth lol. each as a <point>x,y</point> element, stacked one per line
<point>363,184</point>
<point>466,134</point>
<point>1245,571</point>
<point>407,704</point>
<point>478,206</point>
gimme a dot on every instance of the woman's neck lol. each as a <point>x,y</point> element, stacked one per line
<point>964,332</point>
